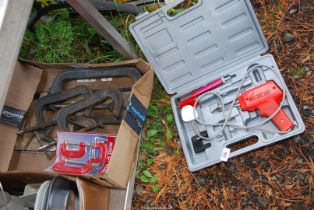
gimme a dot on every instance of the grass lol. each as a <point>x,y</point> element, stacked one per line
<point>64,38</point>
<point>52,41</point>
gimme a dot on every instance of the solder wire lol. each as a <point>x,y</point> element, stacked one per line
<point>226,122</point>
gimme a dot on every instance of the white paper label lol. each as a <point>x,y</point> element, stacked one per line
<point>225,154</point>
<point>109,79</point>
<point>85,80</point>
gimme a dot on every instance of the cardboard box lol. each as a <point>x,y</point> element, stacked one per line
<point>31,77</point>
<point>92,196</point>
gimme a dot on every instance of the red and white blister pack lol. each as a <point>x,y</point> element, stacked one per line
<point>83,153</point>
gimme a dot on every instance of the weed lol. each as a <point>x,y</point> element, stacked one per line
<point>297,72</point>
<point>182,7</point>
<point>54,40</point>
<point>159,131</point>
<point>156,188</point>
<point>67,38</point>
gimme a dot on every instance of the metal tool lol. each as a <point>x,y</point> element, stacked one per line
<point>63,167</point>
<point>210,86</point>
<point>99,146</point>
<point>98,97</point>
<point>97,107</point>
<point>42,128</point>
<point>94,73</point>
<point>228,89</point>
<point>37,127</point>
<point>87,123</point>
<point>57,97</point>
<point>41,143</point>
<point>78,153</point>
<point>107,119</point>
<point>47,146</point>
<point>47,100</point>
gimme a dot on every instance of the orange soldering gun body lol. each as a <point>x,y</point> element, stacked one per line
<point>266,99</point>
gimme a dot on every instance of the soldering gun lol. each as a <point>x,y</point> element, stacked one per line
<point>266,98</point>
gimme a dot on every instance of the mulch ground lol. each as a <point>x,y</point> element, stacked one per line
<point>275,177</point>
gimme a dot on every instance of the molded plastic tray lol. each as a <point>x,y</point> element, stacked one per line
<point>232,136</point>
<point>187,49</point>
<point>214,38</point>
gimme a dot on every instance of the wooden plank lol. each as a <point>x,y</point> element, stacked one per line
<point>104,28</point>
<point>11,36</point>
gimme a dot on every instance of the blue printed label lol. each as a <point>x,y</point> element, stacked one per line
<point>12,116</point>
<point>135,114</point>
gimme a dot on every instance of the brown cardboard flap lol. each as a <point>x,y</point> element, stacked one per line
<point>14,182</point>
<point>126,142</point>
<point>95,196</point>
<point>20,95</point>
<point>24,161</point>
<point>24,177</point>
<point>122,155</point>
<point>23,86</point>
<point>144,90</point>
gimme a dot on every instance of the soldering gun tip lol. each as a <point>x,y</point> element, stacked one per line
<point>226,78</point>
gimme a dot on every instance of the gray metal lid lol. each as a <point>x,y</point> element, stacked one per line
<point>200,41</point>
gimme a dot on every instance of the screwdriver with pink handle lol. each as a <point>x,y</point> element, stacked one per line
<point>210,86</point>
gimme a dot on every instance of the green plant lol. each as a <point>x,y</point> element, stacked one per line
<point>158,131</point>
<point>145,176</point>
<point>297,72</point>
<point>64,38</point>
<point>53,40</point>
<point>156,188</point>
<point>182,7</point>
